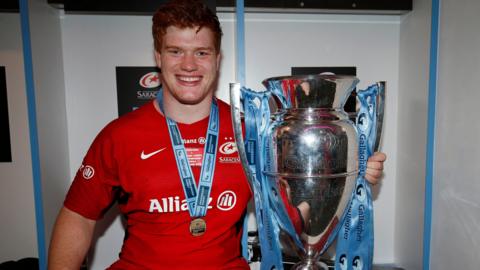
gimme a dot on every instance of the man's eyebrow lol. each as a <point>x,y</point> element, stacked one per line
<point>205,49</point>
<point>171,47</point>
<point>208,48</point>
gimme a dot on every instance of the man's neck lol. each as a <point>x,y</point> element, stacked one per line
<point>184,113</point>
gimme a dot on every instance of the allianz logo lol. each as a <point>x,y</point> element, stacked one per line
<point>225,202</point>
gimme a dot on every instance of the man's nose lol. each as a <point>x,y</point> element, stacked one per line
<point>189,62</point>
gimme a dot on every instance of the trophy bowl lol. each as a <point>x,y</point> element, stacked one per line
<point>314,162</point>
<point>310,161</point>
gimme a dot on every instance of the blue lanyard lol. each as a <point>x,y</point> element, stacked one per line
<point>197,199</point>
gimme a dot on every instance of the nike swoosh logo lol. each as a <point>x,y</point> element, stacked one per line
<point>145,156</point>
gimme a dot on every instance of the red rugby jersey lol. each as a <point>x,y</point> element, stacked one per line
<point>131,161</point>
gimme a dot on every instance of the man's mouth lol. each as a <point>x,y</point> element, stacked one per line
<point>189,79</point>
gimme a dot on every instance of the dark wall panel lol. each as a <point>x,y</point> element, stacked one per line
<point>5,147</point>
<point>149,6</point>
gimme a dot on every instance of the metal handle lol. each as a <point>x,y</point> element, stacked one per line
<point>380,114</point>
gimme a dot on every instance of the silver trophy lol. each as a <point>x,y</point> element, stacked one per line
<point>310,154</point>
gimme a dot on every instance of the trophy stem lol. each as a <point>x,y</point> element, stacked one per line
<point>310,261</point>
<point>310,264</point>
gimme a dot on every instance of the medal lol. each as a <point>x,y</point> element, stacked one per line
<point>198,227</point>
<point>197,198</point>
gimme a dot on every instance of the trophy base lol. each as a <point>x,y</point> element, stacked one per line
<point>310,265</point>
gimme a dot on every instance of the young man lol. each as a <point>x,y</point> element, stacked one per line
<point>135,161</point>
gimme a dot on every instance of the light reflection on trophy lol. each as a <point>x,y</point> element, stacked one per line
<point>308,160</point>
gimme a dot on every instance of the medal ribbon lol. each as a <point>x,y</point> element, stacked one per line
<point>197,199</point>
<point>355,239</point>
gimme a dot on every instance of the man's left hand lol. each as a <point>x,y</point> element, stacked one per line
<point>375,167</point>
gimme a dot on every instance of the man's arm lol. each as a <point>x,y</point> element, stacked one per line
<point>71,239</point>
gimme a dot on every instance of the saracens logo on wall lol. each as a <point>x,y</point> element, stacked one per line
<point>136,86</point>
<point>150,80</point>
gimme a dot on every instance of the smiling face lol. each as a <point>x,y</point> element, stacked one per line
<point>189,65</point>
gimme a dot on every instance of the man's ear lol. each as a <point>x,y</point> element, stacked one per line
<point>158,59</point>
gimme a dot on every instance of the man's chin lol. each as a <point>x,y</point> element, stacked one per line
<point>191,101</point>
<point>190,96</point>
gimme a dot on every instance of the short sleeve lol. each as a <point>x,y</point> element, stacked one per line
<point>95,185</point>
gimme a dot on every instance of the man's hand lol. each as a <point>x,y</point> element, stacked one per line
<point>375,167</point>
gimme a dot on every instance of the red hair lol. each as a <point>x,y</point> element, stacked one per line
<point>184,14</point>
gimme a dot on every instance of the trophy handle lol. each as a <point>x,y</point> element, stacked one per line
<point>238,131</point>
<point>380,114</point>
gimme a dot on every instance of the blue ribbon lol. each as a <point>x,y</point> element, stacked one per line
<point>355,239</point>
<point>270,211</point>
<point>256,117</point>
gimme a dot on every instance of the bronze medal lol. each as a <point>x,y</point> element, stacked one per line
<point>198,227</point>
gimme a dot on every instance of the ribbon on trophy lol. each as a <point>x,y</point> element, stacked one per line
<point>254,115</point>
<point>266,196</point>
<point>356,239</point>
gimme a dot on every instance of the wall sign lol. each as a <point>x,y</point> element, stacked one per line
<point>136,86</point>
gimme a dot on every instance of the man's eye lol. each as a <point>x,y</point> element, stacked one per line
<point>174,52</point>
<point>203,53</point>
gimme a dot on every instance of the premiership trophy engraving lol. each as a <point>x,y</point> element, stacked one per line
<point>301,158</point>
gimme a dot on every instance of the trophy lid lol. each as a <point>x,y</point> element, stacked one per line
<point>313,91</point>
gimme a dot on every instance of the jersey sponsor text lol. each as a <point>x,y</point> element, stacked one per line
<point>171,205</point>
<point>225,202</point>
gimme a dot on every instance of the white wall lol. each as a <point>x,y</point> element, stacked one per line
<point>17,208</point>
<point>456,188</point>
<point>411,130</point>
<point>94,45</point>
<point>50,104</point>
